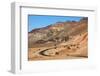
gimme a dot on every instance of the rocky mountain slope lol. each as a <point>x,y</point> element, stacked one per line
<point>62,40</point>
<point>57,33</point>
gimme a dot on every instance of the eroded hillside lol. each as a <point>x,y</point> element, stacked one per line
<point>59,41</point>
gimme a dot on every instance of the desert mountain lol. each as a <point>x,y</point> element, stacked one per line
<point>58,32</point>
<point>59,40</point>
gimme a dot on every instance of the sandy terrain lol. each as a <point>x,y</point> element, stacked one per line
<point>76,47</point>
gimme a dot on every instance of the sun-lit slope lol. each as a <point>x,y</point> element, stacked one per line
<point>81,45</point>
<point>59,40</point>
<point>57,32</point>
<point>74,48</point>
